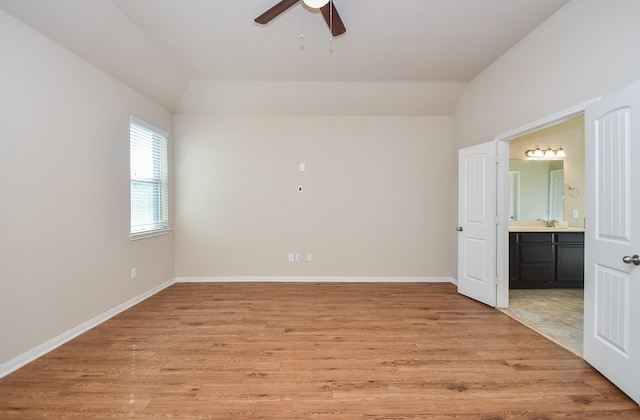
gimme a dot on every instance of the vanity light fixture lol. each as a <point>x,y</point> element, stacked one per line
<point>549,153</point>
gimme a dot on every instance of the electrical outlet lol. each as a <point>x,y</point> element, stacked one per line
<point>298,257</point>
<point>574,214</point>
<point>302,167</point>
<point>290,257</point>
<point>134,273</point>
<point>299,188</point>
<point>309,257</point>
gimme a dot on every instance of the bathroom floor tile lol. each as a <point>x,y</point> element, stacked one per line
<point>556,313</point>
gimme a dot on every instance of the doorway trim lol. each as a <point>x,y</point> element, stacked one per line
<point>502,196</point>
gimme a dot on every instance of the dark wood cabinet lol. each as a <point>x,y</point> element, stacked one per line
<point>543,260</point>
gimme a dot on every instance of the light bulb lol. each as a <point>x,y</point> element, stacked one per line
<point>560,153</point>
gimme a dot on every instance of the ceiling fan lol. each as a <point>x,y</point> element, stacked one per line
<point>327,8</point>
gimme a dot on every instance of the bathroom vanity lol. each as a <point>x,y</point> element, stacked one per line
<point>544,258</point>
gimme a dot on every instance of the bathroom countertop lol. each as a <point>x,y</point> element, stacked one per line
<point>544,229</point>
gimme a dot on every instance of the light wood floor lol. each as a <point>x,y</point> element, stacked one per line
<point>290,351</point>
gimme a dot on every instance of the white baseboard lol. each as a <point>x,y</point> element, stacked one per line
<point>315,279</point>
<point>31,355</point>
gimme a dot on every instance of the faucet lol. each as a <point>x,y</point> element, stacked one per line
<point>548,223</point>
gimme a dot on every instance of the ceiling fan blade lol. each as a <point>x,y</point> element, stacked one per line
<point>334,22</point>
<point>275,11</point>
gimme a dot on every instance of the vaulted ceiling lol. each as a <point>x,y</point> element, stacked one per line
<point>157,46</point>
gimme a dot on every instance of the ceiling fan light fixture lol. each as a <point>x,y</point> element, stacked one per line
<point>315,4</point>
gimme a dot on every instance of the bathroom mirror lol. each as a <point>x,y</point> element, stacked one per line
<point>536,189</point>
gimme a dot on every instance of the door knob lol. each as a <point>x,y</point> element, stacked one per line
<point>459,229</point>
<point>635,260</point>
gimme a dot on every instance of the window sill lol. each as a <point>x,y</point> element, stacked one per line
<point>149,234</point>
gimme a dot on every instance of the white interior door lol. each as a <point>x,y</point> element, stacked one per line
<point>477,186</point>
<point>612,286</point>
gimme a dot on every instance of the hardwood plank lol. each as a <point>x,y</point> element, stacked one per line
<point>303,350</point>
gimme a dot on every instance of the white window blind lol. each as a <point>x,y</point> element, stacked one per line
<point>149,179</point>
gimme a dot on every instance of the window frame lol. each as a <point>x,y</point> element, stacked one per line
<point>159,183</point>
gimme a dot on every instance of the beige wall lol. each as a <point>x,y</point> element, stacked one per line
<point>375,198</point>
<point>319,98</point>
<point>65,253</point>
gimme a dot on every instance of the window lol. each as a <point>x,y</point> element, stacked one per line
<point>149,179</point>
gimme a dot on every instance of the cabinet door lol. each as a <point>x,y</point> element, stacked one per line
<point>535,260</point>
<point>537,265</point>
<point>514,262</point>
<point>570,260</point>
<point>570,266</point>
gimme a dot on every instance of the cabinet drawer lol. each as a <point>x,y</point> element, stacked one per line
<point>536,253</point>
<point>570,237</point>
<point>535,237</point>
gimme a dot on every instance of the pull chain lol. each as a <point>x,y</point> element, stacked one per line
<point>302,29</point>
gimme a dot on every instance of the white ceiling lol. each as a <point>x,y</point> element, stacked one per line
<point>386,40</point>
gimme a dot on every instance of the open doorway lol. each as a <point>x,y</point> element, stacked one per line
<point>546,205</point>
<point>611,285</point>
